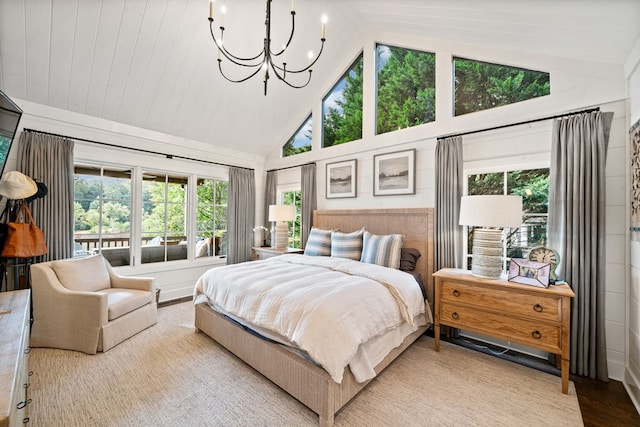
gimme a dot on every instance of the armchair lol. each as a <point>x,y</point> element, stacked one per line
<point>84,305</point>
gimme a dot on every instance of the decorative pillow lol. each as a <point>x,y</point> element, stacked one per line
<point>82,274</point>
<point>347,245</point>
<point>318,243</point>
<point>408,259</point>
<point>382,250</point>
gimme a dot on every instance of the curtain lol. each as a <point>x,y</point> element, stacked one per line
<point>49,159</point>
<point>241,212</point>
<point>309,200</point>
<point>448,234</point>
<point>270,193</point>
<point>576,230</point>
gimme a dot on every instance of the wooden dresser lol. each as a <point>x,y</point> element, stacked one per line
<point>532,316</point>
<point>14,353</point>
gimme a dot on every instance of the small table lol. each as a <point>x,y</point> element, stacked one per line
<point>532,316</point>
<point>264,252</point>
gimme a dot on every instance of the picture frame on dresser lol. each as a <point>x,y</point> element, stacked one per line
<point>341,179</point>
<point>394,173</point>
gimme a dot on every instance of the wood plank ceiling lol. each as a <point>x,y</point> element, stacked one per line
<point>152,64</point>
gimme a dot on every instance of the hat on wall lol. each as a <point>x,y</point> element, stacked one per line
<point>42,191</point>
<point>15,185</point>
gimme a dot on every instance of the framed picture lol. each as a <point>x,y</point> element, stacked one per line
<point>394,173</point>
<point>529,272</point>
<point>341,179</point>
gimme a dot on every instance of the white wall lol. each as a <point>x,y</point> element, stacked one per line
<point>177,278</point>
<point>632,373</point>
<point>574,85</point>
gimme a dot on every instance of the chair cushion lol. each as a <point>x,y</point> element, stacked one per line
<point>82,274</point>
<point>121,301</point>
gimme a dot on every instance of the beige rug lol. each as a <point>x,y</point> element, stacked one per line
<point>169,375</point>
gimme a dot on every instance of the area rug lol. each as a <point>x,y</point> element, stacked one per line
<point>169,375</point>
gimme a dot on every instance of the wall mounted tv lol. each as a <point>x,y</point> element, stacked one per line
<point>10,115</point>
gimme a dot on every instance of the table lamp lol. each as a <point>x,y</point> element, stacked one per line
<point>281,214</point>
<point>491,212</point>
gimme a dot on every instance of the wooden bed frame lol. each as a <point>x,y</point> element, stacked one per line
<point>303,380</point>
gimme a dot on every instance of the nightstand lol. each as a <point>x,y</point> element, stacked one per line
<point>532,316</point>
<point>264,252</point>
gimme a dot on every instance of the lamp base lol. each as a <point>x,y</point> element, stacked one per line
<point>282,235</point>
<point>486,258</point>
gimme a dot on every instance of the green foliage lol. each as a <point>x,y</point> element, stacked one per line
<point>344,124</point>
<point>289,150</point>
<point>294,198</point>
<point>406,88</point>
<point>481,85</point>
<point>304,133</point>
<point>164,214</point>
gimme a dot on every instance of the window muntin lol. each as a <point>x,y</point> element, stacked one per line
<point>405,88</point>
<point>294,198</point>
<point>102,211</point>
<point>164,228</point>
<point>211,217</point>
<point>342,108</point>
<point>533,186</point>
<point>482,85</point>
<point>301,140</point>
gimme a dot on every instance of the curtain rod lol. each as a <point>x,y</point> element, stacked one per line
<point>291,167</point>
<point>141,150</point>
<point>559,116</point>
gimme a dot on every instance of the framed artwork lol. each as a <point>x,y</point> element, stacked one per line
<point>529,272</point>
<point>394,173</point>
<point>341,179</point>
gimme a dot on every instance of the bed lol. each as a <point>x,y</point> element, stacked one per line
<point>301,378</point>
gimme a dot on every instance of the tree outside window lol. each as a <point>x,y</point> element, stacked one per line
<point>211,217</point>
<point>405,86</point>
<point>294,198</point>
<point>301,141</point>
<point>342,108</point>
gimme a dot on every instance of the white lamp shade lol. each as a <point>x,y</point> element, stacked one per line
<point>491,211</point>
<point>282,213</point>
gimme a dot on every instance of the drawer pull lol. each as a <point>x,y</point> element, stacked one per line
<point>455,315</point>
<point>456,293</point>
<point>536,334</point>
<point>538,308</point>
<point>27,350</point>
<point>30,373</point>
<point>27,384</point>
<point>22,404</point>
<point>25,420</point>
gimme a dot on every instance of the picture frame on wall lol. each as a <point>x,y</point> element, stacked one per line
<point>394,173</point>
<point>341,179</point>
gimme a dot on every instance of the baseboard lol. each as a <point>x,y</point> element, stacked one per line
<point>632,385</point>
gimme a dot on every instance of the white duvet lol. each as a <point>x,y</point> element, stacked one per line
<point>328,307</point>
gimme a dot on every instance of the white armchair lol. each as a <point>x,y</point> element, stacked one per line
<point>84,305</point>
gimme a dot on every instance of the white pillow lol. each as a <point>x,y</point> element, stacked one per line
<point>383,250</point>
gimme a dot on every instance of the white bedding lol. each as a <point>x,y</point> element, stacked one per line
<point>328,307</point>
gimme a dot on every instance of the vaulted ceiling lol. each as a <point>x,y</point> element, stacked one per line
<point>152,63</point>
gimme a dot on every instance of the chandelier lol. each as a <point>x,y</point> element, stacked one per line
<point>266,59</point>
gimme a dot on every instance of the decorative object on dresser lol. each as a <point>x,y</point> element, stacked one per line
<point>547,255</point>
<point>394,173</point>
<point>261,252</point>
<point>491,212</point>
<point>529,272</point>
<point>280,214</point>
<point>14,357</point>
<point>341,179</point>
<point>532,316</point>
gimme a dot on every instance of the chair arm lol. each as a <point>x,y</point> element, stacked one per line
<point>126,282</point>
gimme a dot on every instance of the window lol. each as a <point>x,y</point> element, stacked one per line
<point>533,186</point>
<point>405,88</point>
<point>102,212</point>
<point>300,142</point>
<point>211,218</point>
<point>164,228</point>
<point>342,108</point>
<point>294,198</point>
<point>483,85</point>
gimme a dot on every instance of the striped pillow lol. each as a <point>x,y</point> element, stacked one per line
<point>347,245</point>
<point>383,250</point>
<point>318,242</point>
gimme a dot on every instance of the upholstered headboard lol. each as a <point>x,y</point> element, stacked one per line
<point>415,223</point>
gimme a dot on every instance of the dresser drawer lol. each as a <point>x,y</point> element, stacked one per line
<point>539,335</point>
<point>534,306</point>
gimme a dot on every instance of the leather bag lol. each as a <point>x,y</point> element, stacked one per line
<point>24,238</point>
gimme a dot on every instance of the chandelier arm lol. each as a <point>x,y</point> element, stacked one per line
<point>241,80</point>
<point>283,79</point>
<point>293,29</point>
<point>231,57</point>
<point>302,70</point>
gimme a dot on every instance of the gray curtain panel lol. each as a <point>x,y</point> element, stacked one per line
<point>448,234</point>
<point>49,159</point>
<point>309,200</point>
<point>241,214</point>
<point>270,194</point>
<point>576,230</point>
